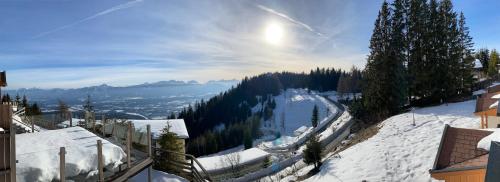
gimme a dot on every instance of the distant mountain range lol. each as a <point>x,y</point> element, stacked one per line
<point>147,100</point>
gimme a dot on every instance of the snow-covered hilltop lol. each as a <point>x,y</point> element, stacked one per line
<point>399,151</point>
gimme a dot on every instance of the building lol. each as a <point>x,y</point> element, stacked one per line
<point>478,72</point>
<point>487,107</point>
<point>458,159</point>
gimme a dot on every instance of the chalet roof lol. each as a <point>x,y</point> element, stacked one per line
<point>177,126</point>
<point>458,150</point>
<point>493,168</point>
<point>494,88</point>
<point>477,64</point>
<point>485,101</point>
<point>3,79</point>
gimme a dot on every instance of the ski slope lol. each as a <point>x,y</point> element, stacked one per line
<point>399,151</point>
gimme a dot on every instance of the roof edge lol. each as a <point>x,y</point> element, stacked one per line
<point>446,126</point>
<point>456,169</point>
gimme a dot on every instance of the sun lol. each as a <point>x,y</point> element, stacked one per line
<point>274,33</point>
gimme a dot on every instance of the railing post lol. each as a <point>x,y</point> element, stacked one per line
<point>32,126</point>
<point>103,121</point>
<point>70,119</point>
<point>113,133</point>
<point>100,164</point>
<point>129,144</point>
<point>149,150</point>
<point>13,159</point>
<point>62,164</point>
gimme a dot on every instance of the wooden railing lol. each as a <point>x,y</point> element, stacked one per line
<point>183,165</point>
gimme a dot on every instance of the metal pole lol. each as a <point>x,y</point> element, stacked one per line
<point>100,163</point>
<point>62,164</point>
<point>149,151</point>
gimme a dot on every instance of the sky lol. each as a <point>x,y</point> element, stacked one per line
<point>77,43</point>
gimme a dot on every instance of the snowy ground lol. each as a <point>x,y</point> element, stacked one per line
<point>38,159</point>
<point>294,107</point>
<point>157,176</point>
<point>217,162</point>
<point>399,151</point>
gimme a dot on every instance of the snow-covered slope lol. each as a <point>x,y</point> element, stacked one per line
<point>294,107</point>
<point>399,151</point>
<point>38,153</point>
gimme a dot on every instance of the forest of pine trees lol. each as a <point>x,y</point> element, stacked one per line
<point>31,109</point>
<point>232,109</point>
<point>420,53</point>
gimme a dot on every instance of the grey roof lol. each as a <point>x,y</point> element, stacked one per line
<point>493,167</point>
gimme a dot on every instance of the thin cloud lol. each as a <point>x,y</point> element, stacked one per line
<point>102,13</point>
<point>299,23</point>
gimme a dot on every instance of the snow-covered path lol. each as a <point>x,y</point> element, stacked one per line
<point>399,151</point>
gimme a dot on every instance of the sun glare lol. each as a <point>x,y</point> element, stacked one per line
<point>274,33</point>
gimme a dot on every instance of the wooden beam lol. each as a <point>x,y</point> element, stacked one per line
<point>149,151</point>
<point>133,171</point>
<point>62,164</point>
<point>100,159</point>
<point>13,153</point>
<point>129,144</point>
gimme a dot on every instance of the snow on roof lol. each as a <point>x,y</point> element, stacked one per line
<point>1,129</point>
<point>177,126</point>
<point>38,158</point>
<point>485,143</point>
<point>497,96</point>
<point>222,161</point>
<point>494,105</point>
<point>477,64</point>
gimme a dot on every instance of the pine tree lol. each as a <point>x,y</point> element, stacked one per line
<point>467,60</point>
<point>18,99</point>
<point>88,105</point>
<point>492,65</point>
<point>25,101</point>
<point>417,36</point>
<point>484,56</point>
<point>314,118</point>
<point>169,141</point>
<point>312,153</point>
<point>247,139</point>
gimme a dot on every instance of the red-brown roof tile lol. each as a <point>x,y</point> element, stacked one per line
<point>458,149</point>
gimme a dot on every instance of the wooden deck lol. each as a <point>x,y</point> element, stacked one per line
<point>129,173</point>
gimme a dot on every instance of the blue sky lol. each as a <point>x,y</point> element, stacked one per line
<point>76,43</point>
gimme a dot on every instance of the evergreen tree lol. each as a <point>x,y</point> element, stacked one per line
<point>384,85</point>
<point>25,101</point>
<point>492,65</point>
<point>312,153</point>
<point>417,38</point>
<point>168,141</point>
<point>87,106</point>
<point>467,60</point>
<point>314,118</point>
<point>247,139</point>
<point>18,99</point>
<point>484,56</point>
